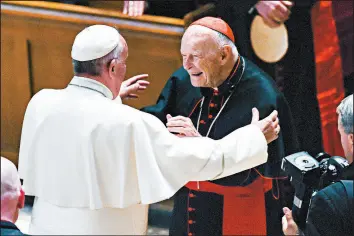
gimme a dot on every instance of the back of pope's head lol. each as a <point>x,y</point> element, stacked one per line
<point>12,196</point>
<point>99,52</point>
<point>95,42</point>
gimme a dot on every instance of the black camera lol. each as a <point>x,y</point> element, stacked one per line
<point>308,175</point>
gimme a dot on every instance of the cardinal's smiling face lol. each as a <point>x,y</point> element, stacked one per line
<point>202,56</point>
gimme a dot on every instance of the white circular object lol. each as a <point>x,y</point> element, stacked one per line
<point>305,162</point>
<point>269,44</point>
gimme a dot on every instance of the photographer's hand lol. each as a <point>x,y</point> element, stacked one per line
<point>289,225</point>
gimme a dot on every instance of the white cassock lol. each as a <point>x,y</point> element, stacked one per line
<point>94,164</point>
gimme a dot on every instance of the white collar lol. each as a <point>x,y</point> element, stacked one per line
<point>92,85</point>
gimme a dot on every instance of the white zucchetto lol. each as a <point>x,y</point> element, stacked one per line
<point>94,42</point>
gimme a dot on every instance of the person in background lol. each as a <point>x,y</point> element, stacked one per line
<point>295,72</point>
<point>12,198</point>
<point>331,210</point>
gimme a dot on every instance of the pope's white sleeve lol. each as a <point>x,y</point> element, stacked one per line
<point>242,149</point>
<point>171,162</point>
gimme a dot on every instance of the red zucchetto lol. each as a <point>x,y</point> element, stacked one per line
<point>216,24</point>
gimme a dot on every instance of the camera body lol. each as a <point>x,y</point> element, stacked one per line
<point>308,176</point>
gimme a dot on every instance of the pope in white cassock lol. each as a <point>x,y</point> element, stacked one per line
<point>94,164</point>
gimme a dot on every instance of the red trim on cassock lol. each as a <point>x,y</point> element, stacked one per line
<point>244,210</point>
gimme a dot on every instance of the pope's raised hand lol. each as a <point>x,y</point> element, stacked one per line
<point>181,126</point>
<point>269,125</point>
<point>133,85</point>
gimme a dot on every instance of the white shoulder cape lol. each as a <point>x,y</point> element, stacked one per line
<point>81,149</point>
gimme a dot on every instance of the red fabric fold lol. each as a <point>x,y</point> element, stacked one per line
<point>329,75</point>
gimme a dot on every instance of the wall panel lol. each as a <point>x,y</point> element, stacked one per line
<point>36,39</point>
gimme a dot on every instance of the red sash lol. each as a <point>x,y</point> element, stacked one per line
<point>244,210</point>
<point>329,75</point>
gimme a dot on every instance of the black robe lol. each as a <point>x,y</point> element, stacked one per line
<point>331,211</point>
<point>174,8</point>
<point>9,228</point>
<point>255,89</point>
<point>295,73</point>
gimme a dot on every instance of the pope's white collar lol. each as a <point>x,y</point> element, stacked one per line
<point>93,85</point>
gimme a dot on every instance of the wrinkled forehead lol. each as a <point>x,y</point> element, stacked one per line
<point>198,37</point>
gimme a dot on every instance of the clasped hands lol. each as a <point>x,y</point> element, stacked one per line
<point>183,126</point>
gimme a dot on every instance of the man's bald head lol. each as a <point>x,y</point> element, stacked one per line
<point>216,24</point>
<point>10,181</point>
<point>12,195</point>
<point>209,34</point>
<point>199,30</point>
